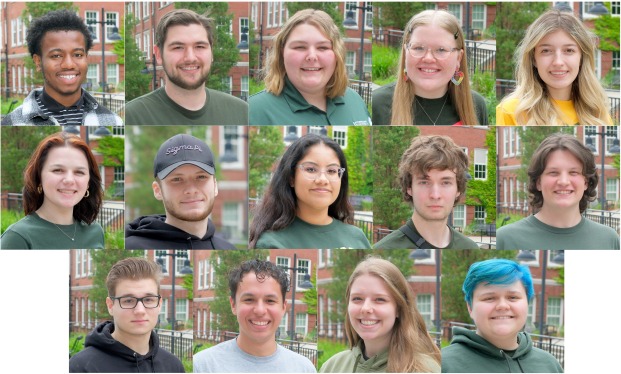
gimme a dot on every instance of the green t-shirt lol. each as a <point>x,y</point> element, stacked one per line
<point>291,108</point>
<point>531,233</point>
<point>302,234</point>
<point>33,232</point>
<point>156,108</point>
<point>441,108</point>
<point>398,240</point>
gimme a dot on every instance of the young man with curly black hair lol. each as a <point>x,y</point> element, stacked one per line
<point>59,43</point>
<point>258,290</point>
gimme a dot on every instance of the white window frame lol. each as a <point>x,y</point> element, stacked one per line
<point>88,16</point>
<point>422,304</point>
<point>462,208</point>
<point>560,311</point>
<point>453,7</point>
<point>480,159</point>
<point>483,21</point>
<point>339,134</point>
<point>306,264</point>
<point>237,141</point>
<point>110,27</point>
<point>301,323</point>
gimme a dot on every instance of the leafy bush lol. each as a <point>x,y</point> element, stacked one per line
<point>9,217</point>
<point>385,61</point>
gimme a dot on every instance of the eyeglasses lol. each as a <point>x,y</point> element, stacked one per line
<point>130,302</point>
<point>439,53</point>
<point>312,172</point>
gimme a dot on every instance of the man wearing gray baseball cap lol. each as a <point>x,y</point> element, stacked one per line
<point>185,182</point>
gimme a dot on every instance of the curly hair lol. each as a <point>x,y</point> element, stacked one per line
<point>88,208</point>
<point>409,338</point>
<point>262,270</point>
<point>535,106</point>
<point>432,152</point>
<point>58,20</point>
<point>563,142</point>
<point>277,209</point>
<point>274,62</point>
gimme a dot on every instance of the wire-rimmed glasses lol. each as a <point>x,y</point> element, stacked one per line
<point>420,50</point>
<point>312,172</point>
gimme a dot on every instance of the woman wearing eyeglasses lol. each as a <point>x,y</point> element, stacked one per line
<point>432,86</point>
<point>306,203</point>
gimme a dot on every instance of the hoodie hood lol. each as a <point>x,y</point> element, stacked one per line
<point>375,364</point>
<point>153,232</point>
<point>476,342</point>
<point>101,338</point>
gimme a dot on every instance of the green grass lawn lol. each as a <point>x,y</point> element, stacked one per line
<point>328,349</point>
<point>6,103</point>
<point>79,345</point>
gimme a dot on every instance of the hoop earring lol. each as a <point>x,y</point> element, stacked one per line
<point>405,75</point>
<point>88,193</point>
<point>40,189</point>
<point>458,77</point>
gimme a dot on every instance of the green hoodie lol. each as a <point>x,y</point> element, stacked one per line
<point>470,353</point>
<point>352,361</point>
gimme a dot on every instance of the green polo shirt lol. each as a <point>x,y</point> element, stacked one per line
<point>290,108</point>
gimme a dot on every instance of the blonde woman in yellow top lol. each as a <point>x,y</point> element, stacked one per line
<point>555,73</point>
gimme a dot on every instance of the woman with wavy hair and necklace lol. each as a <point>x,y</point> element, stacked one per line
<point>433,86</point>
<point>62,197</point>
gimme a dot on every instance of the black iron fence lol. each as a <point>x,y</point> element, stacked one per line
<point>113,102</point>
<point>388,38</point>
<point>605,217</point>
<point>552,344</point>
<point>481,57</point>
<point>363,89</point>
<point>176,342</point>
<point>366,227</point>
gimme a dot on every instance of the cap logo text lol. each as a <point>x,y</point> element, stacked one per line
<point>187,147</point>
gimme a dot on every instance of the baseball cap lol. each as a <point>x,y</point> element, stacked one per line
<point>179,150</point>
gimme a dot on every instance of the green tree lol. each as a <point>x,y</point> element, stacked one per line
<point>225,52</point>
<point>310,295</point>
<point>18,144</point>
<point>137,83</point>
<point>512,20</point>
<point>397,14</point>
<point>113,150</point>
<point>483,192</point>
<point>36,10</point>
<point>265,146</point>
<point>223,262</point>
<point>389,143</point>
<point>455,264</point>
<point>358,154</point>
<point>103,259</point>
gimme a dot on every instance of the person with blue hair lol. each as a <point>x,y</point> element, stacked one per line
<point>497,293</point>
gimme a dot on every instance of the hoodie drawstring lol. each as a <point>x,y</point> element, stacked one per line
<point>356,362</point>
<point>520,365</point>
<point>506,360</point>
<point>136,358</point>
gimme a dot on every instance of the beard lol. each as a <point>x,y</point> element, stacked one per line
<point>180,82</point>
<point>194,216</point>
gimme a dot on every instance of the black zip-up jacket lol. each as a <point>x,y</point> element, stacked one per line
<point>103,354</point>
<point>152,232</point>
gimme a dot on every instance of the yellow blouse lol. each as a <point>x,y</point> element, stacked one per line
<point>505,112</point>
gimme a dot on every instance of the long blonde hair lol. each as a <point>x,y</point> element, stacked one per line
<point>409,339</point>
<point>461,96</point>
<point>274,62</point>
<point>535,106</point>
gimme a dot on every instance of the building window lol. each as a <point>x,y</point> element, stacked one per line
<point>181,310</point>
<point>478,17</point>
<point>245,87</point>
<point>368,62</point>
<point>270,4</point>
<point>180,259</point>
<point>147,45</point>
<point>92,76</point>
<point>479,214</point>
<point>231,220</point>
<point>349,7</point>
<point>350,63</point>
<point>480,163</point>
<point>91,17</point>
<point>302,264</point>
<point>554,311</point>
<point>423,304</point>
<point>459,216</point>
<point>614,10</point>
<point>339,134</point>
<point>301,323</point>
<point>112,76</point>
<point>612,133</point>
<point>243,22</point>
<point>612,189</point>
<point>282,328</point>
<point>593,139</point>
<point>113,22</point>
<point>530,319</point>
<point>284,263</point>
<point>119,180</point>
<point>455,9</point>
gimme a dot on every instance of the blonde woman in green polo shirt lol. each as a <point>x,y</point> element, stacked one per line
<point>306,203</point>
<point>306,78</point>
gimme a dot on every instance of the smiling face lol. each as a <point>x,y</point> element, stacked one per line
<point>372,312</point>
<point>186,56</point>
<point>499,312</point>
<point>136,323</point>
<point>64,64</point>
<point>557,59</point>
<point>259,307</point>
<point>562,183</point>
<point>188,193</point>
<point>434,194</point>
<point>316,196</point>
<point>429,75</point>
<point>64,178</point>
<point>309,59</point>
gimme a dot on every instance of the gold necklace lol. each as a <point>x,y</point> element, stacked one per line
<point>439,114</point>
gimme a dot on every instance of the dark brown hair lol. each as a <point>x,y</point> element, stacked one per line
<point>181,17</point>
<point>88,208</point>
<point>562,142</point>
<point>134,268</point>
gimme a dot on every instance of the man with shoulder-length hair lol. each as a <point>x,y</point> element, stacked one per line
<point>258,290</point>
<point>562,180</point>
<point>183,47</point>
<point>432,175</point>
<point>128,343</point>
<point>58,43</point>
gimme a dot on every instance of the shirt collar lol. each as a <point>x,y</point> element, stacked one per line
<point>298,103</point>
<point>55,106</point>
